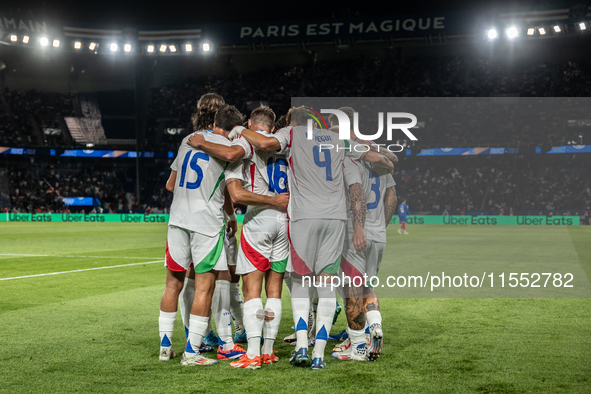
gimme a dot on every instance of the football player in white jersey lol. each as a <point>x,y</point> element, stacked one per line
<point>195,235</point>
<point>225,119</point>
<point>202,120</point>
<point>362,306</point>
<point>317,215</point>
<point>264,245</point>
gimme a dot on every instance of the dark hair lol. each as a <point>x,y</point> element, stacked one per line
<point>207,106</point>
<point>228,117</point>
<point>281,122</point>
<point>263,116</point>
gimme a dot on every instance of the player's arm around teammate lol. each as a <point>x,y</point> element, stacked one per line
<point>227,153</point>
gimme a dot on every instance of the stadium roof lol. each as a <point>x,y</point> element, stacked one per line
<point>144,14</point>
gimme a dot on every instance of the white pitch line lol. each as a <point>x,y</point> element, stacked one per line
<point>61,255</point>
<point>82,270</point>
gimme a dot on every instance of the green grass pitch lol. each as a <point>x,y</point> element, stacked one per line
<point>97,330</point>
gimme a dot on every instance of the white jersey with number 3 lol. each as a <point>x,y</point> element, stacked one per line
<point>199,189</point>
<point>374,183</point>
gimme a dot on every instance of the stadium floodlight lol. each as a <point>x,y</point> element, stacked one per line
<point>512,32</point>
<point>531,31</point>
<point>206,47</point>
<point>188,48</point>
<point>77,45</point>
<point>150,48</point>
<point>163,48</point>
<point>113,47</point>
<point>582,26</point>
<point>172,48</point>
<point>44,41</point>
<point>92,46</point>
<point>13,38</point>
<point>492,34</point>
<point>557,29</point>
<point>26,39</point>
<point>542,31</point>
<point>127,47</point>
<point>56,43</point>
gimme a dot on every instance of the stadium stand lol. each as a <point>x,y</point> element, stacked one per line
<point>517,185</point>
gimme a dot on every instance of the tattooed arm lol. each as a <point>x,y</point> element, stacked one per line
<point>359,208</point>
<point>390,201</point>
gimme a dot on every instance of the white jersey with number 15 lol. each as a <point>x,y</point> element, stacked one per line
<point>199,189</point>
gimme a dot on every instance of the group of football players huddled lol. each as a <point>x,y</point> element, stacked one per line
<point>318,207</point>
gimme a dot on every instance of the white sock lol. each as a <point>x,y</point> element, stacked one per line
<point>327,303</point>
<point>373,317</point>
<point>221,313</point>
<point>236,307</point>
<point>288,281</point>
<point>253,322</point>
<point>273,311</point>
<point>357,337</point>
<point>197,330</point>
<point>186,302</point>
<point>166,327</point>
<point>209,327</point>
<point>300,306</point>
<point>313,311</point>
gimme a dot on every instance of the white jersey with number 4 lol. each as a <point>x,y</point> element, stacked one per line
<point>199,189</point>
<point>316,172</point>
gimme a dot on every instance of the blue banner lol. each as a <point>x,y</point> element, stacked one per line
<point>570,149</point>
<point>5,150</point>
<point>467,151</point>
<point>80,201</point>
<point>17,151</point>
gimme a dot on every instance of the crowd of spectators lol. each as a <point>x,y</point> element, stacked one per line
<point>478,185</point>
<point>24,115</point>
<point>415,77</point>
<point>465,184</point>
<point>500,186</point>
<point>41,189</point>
